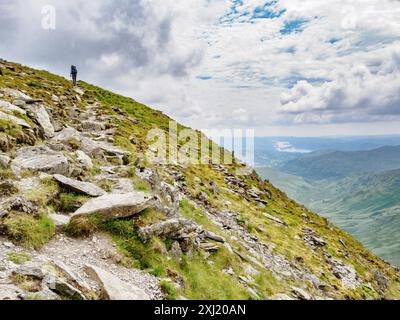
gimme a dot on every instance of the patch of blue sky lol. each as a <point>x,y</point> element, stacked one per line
<point>204,77</point>
<point>333,40</point>
<point>233,14</point>
<point>293,26</point>
<point>267,11</point>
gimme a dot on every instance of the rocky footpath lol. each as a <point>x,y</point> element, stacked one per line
<point>68,268</point>
<point>78,209</point>
<point>65,268</point>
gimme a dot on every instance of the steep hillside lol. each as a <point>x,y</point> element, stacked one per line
<point>82,212</point>
<point>366,205</point>
<point>340,164</point>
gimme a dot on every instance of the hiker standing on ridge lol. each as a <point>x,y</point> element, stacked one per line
<point>74,73</point>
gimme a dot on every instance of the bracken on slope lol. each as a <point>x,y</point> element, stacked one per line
<point>84,215</point>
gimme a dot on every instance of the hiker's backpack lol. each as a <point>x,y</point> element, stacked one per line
<point>74,70</point>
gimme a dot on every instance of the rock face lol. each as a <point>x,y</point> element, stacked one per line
<point>116,205</point>
<point>174,228</point>
<point>270,217</point>
<point>16,120</point>
<point>20,204</point>
<point>86,144</point>
<point>80,187</point>
<point>43,119</point>
<point>113,288</point>
<point>63,288</point>
<point>4,161</point>
<point>84,160</point>
<point>18,95</point>
<point>344,272</point>
<point>40,159</point>
<point>10,107</point>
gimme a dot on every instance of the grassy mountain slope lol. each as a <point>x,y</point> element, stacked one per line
<point>366,205</point>
<point>263,258</point>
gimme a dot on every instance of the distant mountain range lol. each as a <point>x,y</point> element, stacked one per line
<point>340,164</point>
<point>357,190</point>
<point>272,151</point>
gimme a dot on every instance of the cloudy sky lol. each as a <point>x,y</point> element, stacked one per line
<point>283,67</point>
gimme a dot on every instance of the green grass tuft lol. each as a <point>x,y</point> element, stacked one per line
<point>29,231</point>
<point>19,257</point>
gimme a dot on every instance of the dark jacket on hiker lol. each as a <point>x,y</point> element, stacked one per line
<point>74,73</point>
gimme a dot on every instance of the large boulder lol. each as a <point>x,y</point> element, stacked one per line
<point>68,134</point>
<point>63,288</point>
<point>113,288</point>
<point>40,159</point>
<point>14,119</point>
<point>42,117</point>
<point>11,107</point>
<point>116,205</point>
<point>178,229</point>
<point>79,187</point>
<point>18,95</point>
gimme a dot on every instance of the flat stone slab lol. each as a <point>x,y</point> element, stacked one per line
<point>80,187</point>
<point>113,288</point>
<point>40,159</point>
<point>14,119</point>
<point>116,205</point>
<point>10,107</point>
<point>16,94</point>
<point>270,217</point>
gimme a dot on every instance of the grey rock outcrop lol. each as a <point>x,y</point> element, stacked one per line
<point>21,204</point>
<point>116,205</point>
<point>14,119</point>
<point>178,228</point>
<point>40,114</point>
<point>40,159</point>
<point>347,274</point>
<point>113,288</point>
<point>18,95</point>
<point>7,106</point>
<point>79,187</point>
<point>271,217</point>
<point>63,288</point>
<point>84,160</point>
